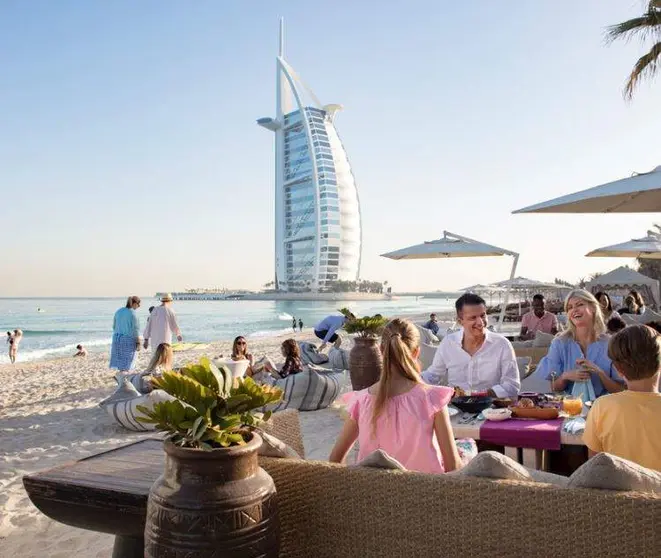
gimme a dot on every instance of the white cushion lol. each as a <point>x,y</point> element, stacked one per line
<point>274,447</point>
<point>649,316</point>
<point>494,465</point>
<point>610,472</point>
<point>379,459</point>
<point>630,319</point>
<point>542,339</point>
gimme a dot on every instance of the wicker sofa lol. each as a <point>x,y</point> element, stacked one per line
<point>329,510</point>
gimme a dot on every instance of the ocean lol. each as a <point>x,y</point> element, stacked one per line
<point>52,327</point>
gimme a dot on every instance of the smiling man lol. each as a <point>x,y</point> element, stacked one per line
<point>474,358</point>
<point>538,319</point>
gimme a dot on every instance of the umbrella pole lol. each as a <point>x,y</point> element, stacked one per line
<point>503,308</point>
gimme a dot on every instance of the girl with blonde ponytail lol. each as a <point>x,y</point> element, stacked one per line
<point>400,414</point>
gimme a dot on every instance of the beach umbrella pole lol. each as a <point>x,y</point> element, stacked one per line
<point>503,308</point>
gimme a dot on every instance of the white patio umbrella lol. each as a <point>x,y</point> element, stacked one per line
<point>647,247</point>
<point>640,193</point>
<point>455,246</point>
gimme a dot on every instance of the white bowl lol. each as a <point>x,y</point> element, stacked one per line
<point>497,414</point>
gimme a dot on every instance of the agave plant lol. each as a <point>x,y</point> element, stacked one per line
<point>210,409</point>
<point>367,326</point>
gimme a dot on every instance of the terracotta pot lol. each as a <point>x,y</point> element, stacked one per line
<point>365,362</point>
<point>217,503</point>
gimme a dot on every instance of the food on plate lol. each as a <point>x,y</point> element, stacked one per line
<point>526,403</point>
<point>458,392</point>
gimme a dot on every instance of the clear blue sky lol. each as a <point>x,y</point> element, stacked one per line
<point>130,160</point>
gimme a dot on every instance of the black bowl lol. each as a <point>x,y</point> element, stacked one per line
<point>472,403</point>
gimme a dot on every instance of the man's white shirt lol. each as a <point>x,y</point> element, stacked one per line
<point>493,366</point>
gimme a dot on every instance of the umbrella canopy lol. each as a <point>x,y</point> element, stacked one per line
<point>626,278</point>
<point>450,246</point>
<point>647,247</point>
<point>483,288</point>
<point>523,284</point>
<point>455,246</point>
<point>640,193</point>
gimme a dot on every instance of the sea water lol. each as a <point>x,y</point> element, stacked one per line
<point>52,327</point>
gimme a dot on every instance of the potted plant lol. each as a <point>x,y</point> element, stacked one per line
<point>365,359</point>
<point>212,495</point>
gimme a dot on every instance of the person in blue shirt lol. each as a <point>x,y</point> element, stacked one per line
<point>326,329</point>
<point>580,353</point>
<point>432,324</point>
<point>125,336</point>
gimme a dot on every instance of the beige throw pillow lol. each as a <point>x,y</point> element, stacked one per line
<point>379,459</point>
<point>273,447</point>
<point>494,465</point>
<point>610,472</point>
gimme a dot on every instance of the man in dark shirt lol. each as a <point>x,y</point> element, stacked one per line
<point>432,324</point>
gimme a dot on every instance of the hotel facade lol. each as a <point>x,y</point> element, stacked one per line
<point>317,211</point>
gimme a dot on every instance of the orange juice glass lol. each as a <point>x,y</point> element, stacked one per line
<point>572,405</point>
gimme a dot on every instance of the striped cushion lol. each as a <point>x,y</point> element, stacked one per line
<point>310,355</point>
<point>308,391</point>
<point>338,359</point>
<point>125,411</point>
<point>136,380</point>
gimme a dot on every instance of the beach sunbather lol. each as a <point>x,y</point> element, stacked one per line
<point>293,363</point>
<point>400,414</point>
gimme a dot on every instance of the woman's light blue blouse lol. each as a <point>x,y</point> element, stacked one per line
<point>126,322</point>
<point>563,354</point>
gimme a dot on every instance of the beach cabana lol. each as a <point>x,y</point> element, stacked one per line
<point>454,246</point>
<point>640,193</point>
<point>648,247</point>
<point>624,279</point>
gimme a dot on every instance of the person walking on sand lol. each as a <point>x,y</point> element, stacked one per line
<point>300,324</point>
<point>162,325</point>
<point>14,340</point>
<point>293,323</point>
<point>125,336</point>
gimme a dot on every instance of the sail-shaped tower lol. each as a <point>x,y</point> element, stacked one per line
<point>317,212</point>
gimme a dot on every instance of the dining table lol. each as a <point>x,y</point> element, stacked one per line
<point>465,425</point>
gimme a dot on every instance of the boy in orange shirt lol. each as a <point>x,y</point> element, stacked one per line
<point>627,424</point>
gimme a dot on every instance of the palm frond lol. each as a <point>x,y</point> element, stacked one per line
<point>645,26</point>
<point>646,68</point>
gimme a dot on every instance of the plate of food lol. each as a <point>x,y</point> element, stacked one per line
<point>497,414</point>
<point>526,408</point>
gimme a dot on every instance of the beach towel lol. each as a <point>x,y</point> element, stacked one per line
<point>179,347</point>
<point>306,391</point>
<point>122,352</point>
<point>310,355</point>
<point>122,406</point>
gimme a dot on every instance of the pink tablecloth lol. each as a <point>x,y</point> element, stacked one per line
<point>514,433</point>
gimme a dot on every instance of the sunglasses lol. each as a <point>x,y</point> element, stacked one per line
<point>240,342</point>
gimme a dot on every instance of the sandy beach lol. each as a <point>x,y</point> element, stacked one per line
<point>49,415</point>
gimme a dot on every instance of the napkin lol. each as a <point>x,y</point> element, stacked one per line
<point>574,425</point>
<point>584,390</point>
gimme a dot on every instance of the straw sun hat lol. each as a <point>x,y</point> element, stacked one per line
<point>167,298</point>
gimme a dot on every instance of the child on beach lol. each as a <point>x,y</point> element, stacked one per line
<point>82,351</point>
<point>627,424</point>
<point>400,414</point>
<point>293,363</point>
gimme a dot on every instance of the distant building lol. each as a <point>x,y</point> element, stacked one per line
<point>317,212</point>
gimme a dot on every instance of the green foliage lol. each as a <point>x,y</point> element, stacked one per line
<point>645,27</point>
<point>211,409</point>
<point>367,326</point>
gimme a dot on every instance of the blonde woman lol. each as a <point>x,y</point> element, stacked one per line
<point>162,358</point>
<point>400,414</point>
<point>580,353</point>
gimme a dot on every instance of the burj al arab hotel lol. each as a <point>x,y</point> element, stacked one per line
<point>317,212</point>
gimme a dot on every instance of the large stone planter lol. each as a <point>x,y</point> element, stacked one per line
<point>365,362</point>
<point>217,503</point>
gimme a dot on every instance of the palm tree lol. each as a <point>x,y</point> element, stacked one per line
<point>646,26</point>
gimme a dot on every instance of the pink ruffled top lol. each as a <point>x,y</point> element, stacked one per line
<point>405,429</point>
